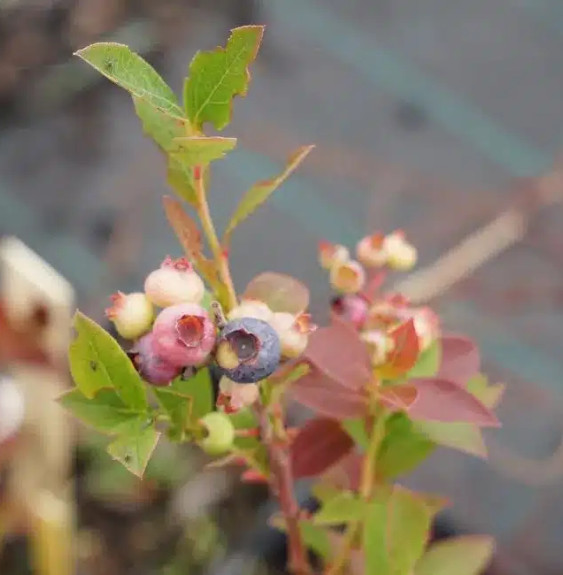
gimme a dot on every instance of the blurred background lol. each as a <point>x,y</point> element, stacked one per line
<point>434,116</point>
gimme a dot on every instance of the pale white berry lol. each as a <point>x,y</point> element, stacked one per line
<point>348,277</point>
<point>401,255</point>
<point>251,308</point>
<point>332,254</point>
<point>132,314</point>
<point>370,251</point>
<point>175,282</point>
<point>293,337</point>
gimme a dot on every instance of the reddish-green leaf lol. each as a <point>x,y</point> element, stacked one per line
<point>261,191</point>
<point>489,394</point>
<point>216,77</point>
<point>466,555</point>
<point>281,292</point>
<point>318,446</point>
<point>346,473</point>
<point>404,354</point>
<point>443,400</point>
<point>323,395</point>
<point>460,359</point>
<point>340,354</point>
<point>466,437</point>
<point>395,533</point>
<point>398,397</point>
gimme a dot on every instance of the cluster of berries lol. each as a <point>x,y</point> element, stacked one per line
<point>244,348</point>
<point>374,315</point>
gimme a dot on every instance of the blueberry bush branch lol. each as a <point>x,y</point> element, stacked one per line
<point>207,364</point>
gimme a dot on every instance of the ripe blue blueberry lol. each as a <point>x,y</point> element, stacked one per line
<point>248,350</point>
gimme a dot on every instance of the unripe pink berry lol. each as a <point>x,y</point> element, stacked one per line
<point>401,255</point>
<point>352,308</point>
<point>331,254</point>
<point>370,251</point>
<point>251,308</point>
<point>151,367</point>
<point>348,277</point>
<point>132,314</point>
<point>173,283</point>
<point>184,335</point>
<point>293,332</point>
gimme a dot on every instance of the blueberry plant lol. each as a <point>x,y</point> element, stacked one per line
<point>385,384</point>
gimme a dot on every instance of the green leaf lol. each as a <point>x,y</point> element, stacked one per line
<point>428,362</point>
<point>315,537</point>
<point>261,191</point>
<point>356,429</point>
<point>488,394</point>
<point>219,75</point>
<point>162,126</point>
<point>344,508</point>
<point>186,401</point>
<point>104,412</point>
<point>403,448</point>
<point>128,70</point>
<point>134,446</point>
<point>466,555</point>
<point>245,419</point>
<point>199,151</point>
<point>395,533</point>
<point>465,437</point>
<point>97,361</point>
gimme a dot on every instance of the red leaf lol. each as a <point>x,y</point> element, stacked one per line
<point>339,353</point>
<point>281,292</point>
<point>319,445</point>
<point>399,397</point>
<point>318,392</point>
<point>443,400</point>
<point>346,473</point>
<point>460,359</point>
<point>405,351</point>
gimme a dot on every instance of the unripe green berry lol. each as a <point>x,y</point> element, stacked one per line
<point>220,433</point>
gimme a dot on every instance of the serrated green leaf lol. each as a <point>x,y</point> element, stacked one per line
<point>356,429</point>
<point>403,448</point>
<point>428,362</point>
<point>104,412</point>
<point>466,555</point>
<point>489,394</point>
<point>199,151</point>
<point>344,508</point>
<point>216,77</point>
<point>97,361</point>
<point>464,437</point>
<point>186,401</point>
<point>315,537</point>
<point>134,446</point>
<point>261,191</point>
<point>128,70</point>
<point>395,533</point>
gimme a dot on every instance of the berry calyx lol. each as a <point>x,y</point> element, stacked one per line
<point>151,367</point>
<point>132,314</point>
<point>347,277</point>
<point>184,335</point>
<point>248,350</point>
<point>220,433</point>
<point>173,283</point>
<point>332,254</point>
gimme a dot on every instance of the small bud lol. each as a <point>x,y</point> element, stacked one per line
<point>184,335</point>
<point>248,350</point>
<point>401,255</point>
<point>293,332</point>
<point>173,283</point>
<point>352,308</point>
<point>220,433</point>
<point>251,308</point>
<point>426,325</point>
<point>379,346</point>
<point>348,277</point>
<point>331,254</point>
<point>132,314</point>
<point>151,367</point>
<point>370,251</point>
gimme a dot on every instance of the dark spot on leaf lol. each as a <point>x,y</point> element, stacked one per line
<point>108,65</point>
<point>127,458</point>
<point>93,365</point>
